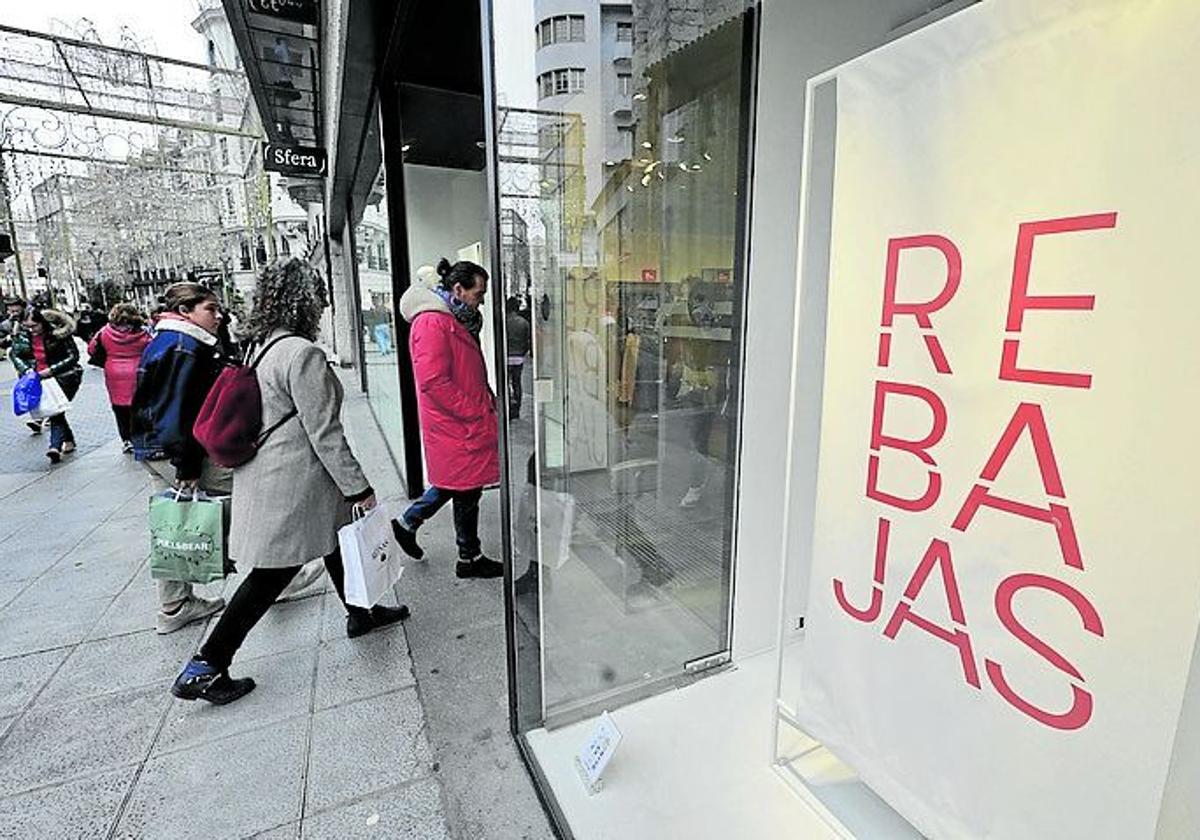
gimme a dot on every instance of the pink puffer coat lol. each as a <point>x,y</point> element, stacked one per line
<point>456,405</point>
<point>122,353</point>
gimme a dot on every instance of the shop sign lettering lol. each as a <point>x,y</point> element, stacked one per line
<point>295,160</point>
<point>1031,422</point>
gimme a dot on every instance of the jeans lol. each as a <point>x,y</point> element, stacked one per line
<point>60,431</point>
<point>250,603</point>
<point>124,416</point>
<point>383,338</point>
<point>466,516</point>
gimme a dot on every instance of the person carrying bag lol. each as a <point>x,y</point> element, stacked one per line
<point>298,489</point>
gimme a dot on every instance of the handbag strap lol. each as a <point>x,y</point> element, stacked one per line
<point>269,345</point>
<point>289,415</point>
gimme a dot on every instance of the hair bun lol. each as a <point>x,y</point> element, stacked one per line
<point>443,267</point>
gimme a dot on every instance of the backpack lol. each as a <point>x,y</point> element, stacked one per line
<point>230,424</point>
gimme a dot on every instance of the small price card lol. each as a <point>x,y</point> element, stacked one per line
<point>597,752</point>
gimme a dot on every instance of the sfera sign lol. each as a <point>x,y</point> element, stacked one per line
<point>300,161</point>
<point>1004,596</point>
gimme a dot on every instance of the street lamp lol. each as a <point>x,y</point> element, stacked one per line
<point>97,253</point>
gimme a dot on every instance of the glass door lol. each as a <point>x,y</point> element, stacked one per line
<point>621,146</point>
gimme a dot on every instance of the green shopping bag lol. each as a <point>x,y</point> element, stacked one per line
<point>187,537</point>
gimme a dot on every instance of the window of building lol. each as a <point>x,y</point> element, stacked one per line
<point>560,82</point>
<point>625,31</point>
<point>223,147</point>
<point>625,132</point>
<point>229,204</point>
<point>624,83</point>
<point>560,30</point>
<point>285,247</point>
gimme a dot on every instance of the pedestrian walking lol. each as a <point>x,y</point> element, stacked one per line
<point>117,349</point>
<point>519,337</point>
<point>457,410</point>
<point>177,369</point>
<point>88,322</point>
<point>290,500</point>
<point>46,344</point>
<point>14,320</point>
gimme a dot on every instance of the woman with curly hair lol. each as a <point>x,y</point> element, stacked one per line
<point>290,500</point>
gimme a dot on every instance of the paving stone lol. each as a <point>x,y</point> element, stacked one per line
<point>233,787</point>
<point>18,566</point>
<point>283,689</point>
<point>104,574</point>
<point>133,610</point>
<point>412,812</point>
<point>373,664</point>
<point>123,662</point>
<point>29,631</point>
<point>23,676</point>
<point>82,808</point>
<point>286,626</point>
<point>52,743</point>
<point>364,747</point>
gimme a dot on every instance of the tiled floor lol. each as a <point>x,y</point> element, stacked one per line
<point>333,743</point>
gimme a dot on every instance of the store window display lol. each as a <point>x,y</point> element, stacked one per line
<point>623,528</point>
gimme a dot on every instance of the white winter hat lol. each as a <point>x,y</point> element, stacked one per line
<point>427,277</point>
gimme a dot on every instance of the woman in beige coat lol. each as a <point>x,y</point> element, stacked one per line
<point>290,500</point>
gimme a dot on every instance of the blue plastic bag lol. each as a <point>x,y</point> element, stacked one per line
<point>27,393</point>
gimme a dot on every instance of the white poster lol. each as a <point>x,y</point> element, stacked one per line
<point>1006,581</point>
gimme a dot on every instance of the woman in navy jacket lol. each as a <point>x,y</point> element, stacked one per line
<point>177,370</point>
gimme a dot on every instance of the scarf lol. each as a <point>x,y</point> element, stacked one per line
<point>470,318</point>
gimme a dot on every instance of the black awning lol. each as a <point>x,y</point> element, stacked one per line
<point>279,43</point>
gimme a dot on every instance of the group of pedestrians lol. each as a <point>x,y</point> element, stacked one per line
<point>303,483</point>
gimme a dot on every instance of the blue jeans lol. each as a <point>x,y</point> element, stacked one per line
<point>60,432</point>
<point>383,338</point>
<point>466,516</point>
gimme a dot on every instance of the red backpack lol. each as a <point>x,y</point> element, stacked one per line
<point>230,424</point>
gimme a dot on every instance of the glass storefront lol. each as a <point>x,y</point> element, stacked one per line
<point>372,253</point>
<point>629,189</point>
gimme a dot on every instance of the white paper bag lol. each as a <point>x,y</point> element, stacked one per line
<point>371,557</point>
<point>53,402</point>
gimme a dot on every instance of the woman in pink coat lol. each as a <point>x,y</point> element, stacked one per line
<point>457,410</point>
<point>118,348</point>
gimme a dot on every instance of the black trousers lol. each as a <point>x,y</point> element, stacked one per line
<point>515,372</point>
<point>250,603</point>
<point>124,415</point>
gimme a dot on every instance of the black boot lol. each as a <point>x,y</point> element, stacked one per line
<point>201,681</point>
<point>360,622</point>
<point>480,567</point>
<point>407,540</point>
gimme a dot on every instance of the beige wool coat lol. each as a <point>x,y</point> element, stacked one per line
<point>290,500</point>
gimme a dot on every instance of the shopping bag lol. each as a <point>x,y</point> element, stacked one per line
<point>53,402</point>
<point>370,556</point>
<point>27,393</point>
<point>187,537</point>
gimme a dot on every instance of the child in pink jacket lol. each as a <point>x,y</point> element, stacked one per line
<point>118,349</point>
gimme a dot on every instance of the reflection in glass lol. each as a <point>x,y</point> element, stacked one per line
<point>626,179</point>
<point>378,315</point>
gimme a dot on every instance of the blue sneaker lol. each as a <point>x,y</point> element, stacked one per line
<point>201,681</point>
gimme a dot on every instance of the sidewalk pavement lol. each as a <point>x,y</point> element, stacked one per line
<point>398,734</point>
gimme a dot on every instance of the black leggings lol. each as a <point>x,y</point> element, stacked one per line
<point>250,603</point>
<point>124,415</point>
